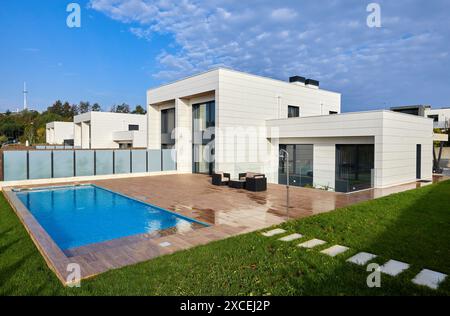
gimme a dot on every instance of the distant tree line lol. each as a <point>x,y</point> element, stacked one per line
<point>30,125</point>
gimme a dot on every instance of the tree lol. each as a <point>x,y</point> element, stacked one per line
<point>122,108</point>
<point>29,134</point>
<point>84,107</point>
<point>96,107</point>
<point>139,110</point>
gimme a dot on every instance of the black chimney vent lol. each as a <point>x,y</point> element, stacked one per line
<point>312,82</point>
<point>297,79</point>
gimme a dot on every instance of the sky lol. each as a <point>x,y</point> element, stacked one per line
<point>125,47</point>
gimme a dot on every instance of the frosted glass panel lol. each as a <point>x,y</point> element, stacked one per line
<point>40,164</point>
<point>84,163</point>
<point>122,161</point>
<point>154,160</point>
<point>104,161</point>
<point>169,160</point>
<point>62,164</point>
<point>139,161</point>
<point>15,165</point>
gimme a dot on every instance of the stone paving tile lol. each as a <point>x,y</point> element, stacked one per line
<point>274,232</point>
<point>312,243</point>
<point>429,278</point>
<point>394,267</point>
<point>335,250</point>
<point>361,258</point>
<point>291,237</point>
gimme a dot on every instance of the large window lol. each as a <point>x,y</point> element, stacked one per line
<point>354,167</point>
<point>293,111</point>
<point>203,129</point>
<point>301,163</point>
<point>167,126</point>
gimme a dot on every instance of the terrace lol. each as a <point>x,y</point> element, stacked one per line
<point>230,212</point>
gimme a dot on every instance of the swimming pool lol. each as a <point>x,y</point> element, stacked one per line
<point>76,216</point>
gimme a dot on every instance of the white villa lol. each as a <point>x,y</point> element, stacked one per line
<point>100,130</point>
<point>228,121</point>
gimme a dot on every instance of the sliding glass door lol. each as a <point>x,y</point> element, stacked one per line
<point>301,163</point>
<point>354,165</point>
<point>203,130</point>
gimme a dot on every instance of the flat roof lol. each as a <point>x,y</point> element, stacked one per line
<point>239,72</point>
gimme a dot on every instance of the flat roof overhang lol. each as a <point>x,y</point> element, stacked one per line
<point>356,124</point>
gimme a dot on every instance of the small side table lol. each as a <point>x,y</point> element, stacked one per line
<point>237,184</point>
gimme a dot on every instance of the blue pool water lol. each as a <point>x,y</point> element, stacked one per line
<point>78,216</point>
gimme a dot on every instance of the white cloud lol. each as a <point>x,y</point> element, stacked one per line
<point>330,41</point>
<point>283,15</point>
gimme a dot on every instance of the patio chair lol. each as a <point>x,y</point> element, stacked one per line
<point>220,178</point>
<point>255,182</point>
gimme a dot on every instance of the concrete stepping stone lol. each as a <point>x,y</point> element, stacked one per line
<point>361,258</point>
<point>274,232</point>
<point>291,237</point>
<point>394,267</point>
<point>335,250</point>
<point>165,244</point>
<point>312,243</point>
<point>429,278</point>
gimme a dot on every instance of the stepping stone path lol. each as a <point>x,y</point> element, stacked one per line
<point>291,237</point>
<point>274,232</point>
<point>312,243</point>
<point>361,258</point>
<point>335,250</point>
<point>394,268</point>
<point>165,244</point>
<point>429,278</point>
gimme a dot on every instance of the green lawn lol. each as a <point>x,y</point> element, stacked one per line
<point>412,226</point>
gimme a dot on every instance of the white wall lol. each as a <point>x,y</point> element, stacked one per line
<point>103,125</point>
<point>394,135</point>
<point>58,132</point>
<point>243,104</point>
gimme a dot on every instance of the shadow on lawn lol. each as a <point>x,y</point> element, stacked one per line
<point>417,232</point>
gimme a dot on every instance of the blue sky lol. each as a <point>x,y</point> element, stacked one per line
<point>124,47</point>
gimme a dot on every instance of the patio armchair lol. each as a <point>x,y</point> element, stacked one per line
<point>255,182</point>
<point>220,178</point>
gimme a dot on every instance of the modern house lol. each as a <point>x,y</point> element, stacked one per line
<point>229,121</point>
<point>100,130</point>
<point>441,117</point>
<point>59,133</point>
<point>106,130</point>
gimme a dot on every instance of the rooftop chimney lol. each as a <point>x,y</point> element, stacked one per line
<point>297,80</point>
<point>312,83</point>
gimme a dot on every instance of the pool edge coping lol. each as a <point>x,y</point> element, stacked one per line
<point>50,251</point>
<point>55,257</point>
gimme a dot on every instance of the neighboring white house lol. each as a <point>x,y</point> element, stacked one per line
<point>103,130</point>
<point>229,121</point>
<point>441,117</point>
<point>59,133</point>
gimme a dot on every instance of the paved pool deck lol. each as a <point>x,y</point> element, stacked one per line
<point>229,212</point>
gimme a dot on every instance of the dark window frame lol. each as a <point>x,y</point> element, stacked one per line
<point>293,111</point>
<point>133,127</point>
